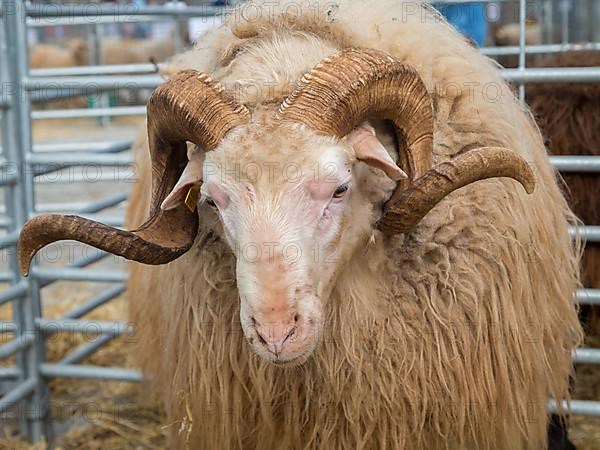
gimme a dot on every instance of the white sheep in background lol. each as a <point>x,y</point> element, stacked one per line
<point>447,332</point>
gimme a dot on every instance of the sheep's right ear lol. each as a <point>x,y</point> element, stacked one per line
<point>190,176</point>
<point>370,150</point>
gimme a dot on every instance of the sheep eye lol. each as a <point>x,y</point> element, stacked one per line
<point>340,191</point>
<point>211,203</point>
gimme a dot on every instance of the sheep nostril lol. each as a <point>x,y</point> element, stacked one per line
<point>275,338</point>
<point>296,318</point>
<point>291,334</point>
<point>261,338</point>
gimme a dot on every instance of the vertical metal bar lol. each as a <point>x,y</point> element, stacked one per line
<point>593,9</point>
<point>103,98</point>
<point>548,21</point>
<point>177,32</point>
<point>19,146</point>
<point>565,9</point>
<point>12,191</point>
<point>522,14</point>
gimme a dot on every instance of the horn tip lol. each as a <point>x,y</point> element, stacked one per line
<point>24,264</point>
<point>529,186</point>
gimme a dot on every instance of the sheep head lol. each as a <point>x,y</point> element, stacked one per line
<point>291,232</point>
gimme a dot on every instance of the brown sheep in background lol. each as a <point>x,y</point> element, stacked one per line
<point>73,53</point>
<point>569,114</point>
<point>137,51</point>
<point>114,51</point>
<point>508,35</point>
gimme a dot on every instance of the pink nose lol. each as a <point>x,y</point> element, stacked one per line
<point>276,335</point>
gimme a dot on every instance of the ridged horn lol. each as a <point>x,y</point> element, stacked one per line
<point>404,210</point>
<point>188,107</point>
<point>356,83</point>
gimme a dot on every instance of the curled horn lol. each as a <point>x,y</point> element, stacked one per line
<point>404,210</point>
<point>356,83</point>
<point>346,88</point>
<point>189,107</point>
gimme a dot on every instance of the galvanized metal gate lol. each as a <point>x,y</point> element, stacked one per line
<point>24,164</point>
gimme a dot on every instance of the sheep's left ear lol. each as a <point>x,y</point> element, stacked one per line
<point>370,150</point>
<point>190,176</point>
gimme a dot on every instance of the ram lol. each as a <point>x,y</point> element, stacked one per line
<point>377,256</point>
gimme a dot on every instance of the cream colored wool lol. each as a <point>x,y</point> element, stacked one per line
<point>453,336</point>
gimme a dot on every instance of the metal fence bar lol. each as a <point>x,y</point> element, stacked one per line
<point>24,389</point>
<point>586,356</point>
<point>588,296</point>
<point>85,350</point>
<point>46,94</point>
<point>6,222</point>
<point>9,373</point>
<point>67,274</point>
<point>71,206</point>
<point>96,302</point>
<point>9,240</point>
<point>96,112</point>
<point>7,180</point>
<point>90,372</point>
<point>99,205</point>
<point>553,75</point>
<point>8,327</point>
<point>6,277</point>
<point>49,326</point>
<point>92,86</point>
<point>533,49</point>
<point>93,10</point>
<point>13,293</point>
<point>588,233</point>
<point>101,147</point>
<point>108,69</point>
<point>120,173</point>
<point>84,207</point>
<point>75,21</point>
<point>21,342</point>
<point>78,159</point>
<point>577,407</point>
<point>576,163</point>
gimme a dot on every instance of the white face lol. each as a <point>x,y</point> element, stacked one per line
<point>284,224</point>
<point>294,207</point>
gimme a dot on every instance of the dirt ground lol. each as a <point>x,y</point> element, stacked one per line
<point>92,414</point>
